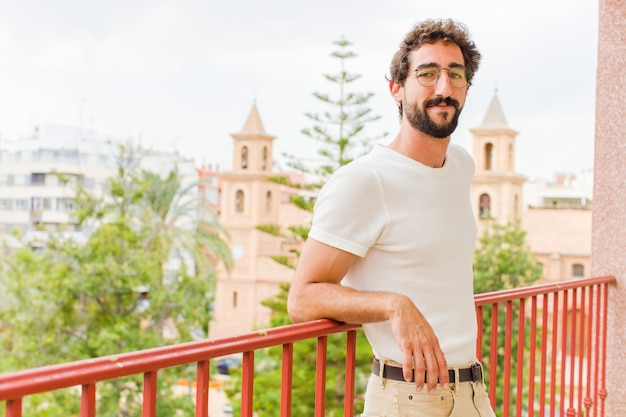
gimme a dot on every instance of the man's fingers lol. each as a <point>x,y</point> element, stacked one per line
<point>444,378</point>
<point>420,371</point>
<point>432,372</point>
<point>407,366</point>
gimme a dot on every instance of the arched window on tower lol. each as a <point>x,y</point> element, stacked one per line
<point>239,201</point>
<point>264,159</point>
<point>511,157</point>
<point>268,202</point>
<point>484,206</point>
<point>244,157</point>
<point>488,157</point>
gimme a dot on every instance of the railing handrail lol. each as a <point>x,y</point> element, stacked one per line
<point>65,375</point>
<point>539,289</point>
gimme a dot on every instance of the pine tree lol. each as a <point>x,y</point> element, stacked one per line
<point>340,132</point>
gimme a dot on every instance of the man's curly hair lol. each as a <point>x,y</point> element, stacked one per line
<point>430,31</point>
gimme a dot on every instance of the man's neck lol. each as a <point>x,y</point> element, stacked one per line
<point>427,150</point>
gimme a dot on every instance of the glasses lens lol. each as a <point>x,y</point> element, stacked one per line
<point>458,77</point>
<point>428,76</point>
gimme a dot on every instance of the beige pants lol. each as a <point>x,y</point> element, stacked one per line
<point>389,398</point>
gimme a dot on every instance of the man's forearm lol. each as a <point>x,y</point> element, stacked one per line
<point>336,302</point>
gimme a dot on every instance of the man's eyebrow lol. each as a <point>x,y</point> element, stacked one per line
<point>435,65</point>
<point>427,65</point>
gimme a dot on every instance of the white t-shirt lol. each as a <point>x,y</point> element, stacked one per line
<point>413,230</point>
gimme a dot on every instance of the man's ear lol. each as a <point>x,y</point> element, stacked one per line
<point>396,91</point>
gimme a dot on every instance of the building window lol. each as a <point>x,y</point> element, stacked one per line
<point>484,206</point>
<point>268,202</point>
<point>488,157</point>
<point>239,201</point>
<point>47,203</point>
<point>35,203</point>
<point>264,159</point>
<point>37,178</point>
<point>6,204</point>
<point>21,204</point>
<point>7,179</point>
<point>244,157</point>
<point>234,299</point>
<point>66,204</point>
<point>578,270</point>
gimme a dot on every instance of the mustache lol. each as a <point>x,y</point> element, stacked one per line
<point>449,101</point>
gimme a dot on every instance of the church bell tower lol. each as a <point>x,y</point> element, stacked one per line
<point>496,190</point>
<point>248,199</point>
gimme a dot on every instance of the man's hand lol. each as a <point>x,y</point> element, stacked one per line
<point>422,355</point>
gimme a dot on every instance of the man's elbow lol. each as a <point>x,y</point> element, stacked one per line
<point>294,309</point>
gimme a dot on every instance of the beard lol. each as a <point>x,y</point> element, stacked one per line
<point>421,121</point>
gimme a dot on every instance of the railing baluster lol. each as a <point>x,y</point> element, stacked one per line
<point>286,385</point>
<point>149,394</point>
<point>589,350</point>
<point>14,407</point>
<point>554,348</point>
<point>520,356</point>
<point>544,353</point>
<point>571,411</point>
<point>247,384</point>
<point>348,408</point>
<point>320,376</point>
<point>479,338</point>
<point>203,378</point>
<point>564,329</point>
<point>533,352</point>
<point>581,347</point>
<point>88,401</point>
<point>493,353</point>
<point>596,382</point>
<point>604,321</point>
<point>507,358</point>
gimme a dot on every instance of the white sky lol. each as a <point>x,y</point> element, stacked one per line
<point>184,74</point>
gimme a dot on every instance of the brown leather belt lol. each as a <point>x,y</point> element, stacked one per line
<point>473,373</point>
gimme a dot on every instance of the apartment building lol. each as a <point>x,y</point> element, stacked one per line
<point>39,172</point>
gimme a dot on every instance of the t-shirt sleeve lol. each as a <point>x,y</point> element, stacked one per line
<point>349,213</point>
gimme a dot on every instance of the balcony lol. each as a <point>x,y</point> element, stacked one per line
<point>544,347</point>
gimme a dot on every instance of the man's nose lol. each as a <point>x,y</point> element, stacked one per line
<point>443,86</point>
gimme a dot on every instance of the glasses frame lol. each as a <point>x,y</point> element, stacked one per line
<point>439,69</point>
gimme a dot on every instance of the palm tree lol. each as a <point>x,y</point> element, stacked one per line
<point>179,226</point>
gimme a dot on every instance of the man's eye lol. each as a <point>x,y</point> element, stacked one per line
<point>456,75</point>
<point>427,74</point>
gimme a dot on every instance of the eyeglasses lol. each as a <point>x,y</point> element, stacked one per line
<point>428,76</point>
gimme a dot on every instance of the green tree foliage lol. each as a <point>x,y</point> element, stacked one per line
<point>142,279</point>
<point>503,261</point>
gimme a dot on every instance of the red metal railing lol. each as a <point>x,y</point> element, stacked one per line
<point>546,348</point>
<point>556,361</point>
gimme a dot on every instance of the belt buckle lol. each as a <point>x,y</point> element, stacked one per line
<point>477,372</point>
